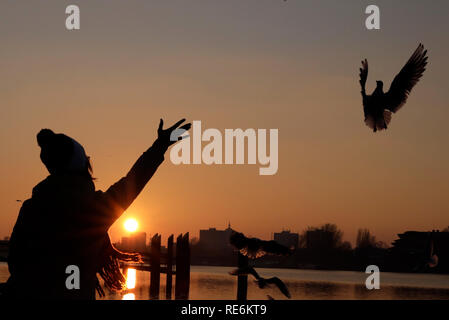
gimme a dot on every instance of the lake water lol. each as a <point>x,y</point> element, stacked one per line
<point>215,283</point>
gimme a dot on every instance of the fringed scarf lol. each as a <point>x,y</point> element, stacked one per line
<point>110,271</point>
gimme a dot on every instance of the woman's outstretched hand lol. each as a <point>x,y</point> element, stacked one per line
<point>173,134</point>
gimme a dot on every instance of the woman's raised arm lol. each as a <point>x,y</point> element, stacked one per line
<point>122,193</point>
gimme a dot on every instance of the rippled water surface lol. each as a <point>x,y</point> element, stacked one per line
<point>214,283</point>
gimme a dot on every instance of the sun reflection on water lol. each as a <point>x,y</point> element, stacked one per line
<point>129,296</point>
<point>131,278</point>
<point>130,284</point>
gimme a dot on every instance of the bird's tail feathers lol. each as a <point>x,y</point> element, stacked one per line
<point>370,121</point>
<point>378,123</point>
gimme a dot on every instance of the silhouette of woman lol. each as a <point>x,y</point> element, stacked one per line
<point>66,221</point>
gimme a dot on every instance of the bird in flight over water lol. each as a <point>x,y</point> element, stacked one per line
<point>379,106</point>
<point>262,282</point>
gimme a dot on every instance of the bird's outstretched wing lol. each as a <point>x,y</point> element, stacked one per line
<point>406,79</point>
<point>280,284</point>
<point>273,247</point>
<point>255,248</point>
<point>262,282</point>
<point>363,74</point>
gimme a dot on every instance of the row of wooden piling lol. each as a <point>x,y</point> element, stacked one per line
<point>181,261</point>
<point>182,269</point>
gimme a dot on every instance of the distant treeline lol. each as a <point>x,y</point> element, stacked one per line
<point>323,248</point>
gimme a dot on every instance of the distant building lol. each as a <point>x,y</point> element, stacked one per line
<point>287,238</point>
<point>135,242</point>
<point>213,239</point>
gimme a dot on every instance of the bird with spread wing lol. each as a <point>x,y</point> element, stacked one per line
<point>379,106</point>
<point>262,282</point>
<point>255,248</point>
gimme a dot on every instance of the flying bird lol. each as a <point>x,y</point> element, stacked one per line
<point>255,248</point>
<point>379,106</point>
<point>262,282</point>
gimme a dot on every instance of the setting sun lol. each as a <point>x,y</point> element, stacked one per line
<point>131,225</point>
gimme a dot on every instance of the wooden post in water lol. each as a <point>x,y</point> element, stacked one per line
<point>168,286</point>
<point>187,264</point>
<point>155,266</point>
<point>178,285</point>
<point>182,267</point>
<point>242,280</point>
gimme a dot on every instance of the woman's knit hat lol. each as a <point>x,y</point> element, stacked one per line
<point>61,153</point>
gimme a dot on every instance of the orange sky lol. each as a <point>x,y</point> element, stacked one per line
<point>290,65</point>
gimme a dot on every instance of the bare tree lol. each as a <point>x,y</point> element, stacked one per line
<point>365,239</point>
<point>326,236</point>
<point>335,234</point>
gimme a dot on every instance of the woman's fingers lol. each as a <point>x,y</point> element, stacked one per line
<point>161,123</point>
<point>186,127</point>
<point>175,133</point>
<point>177,124</point>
